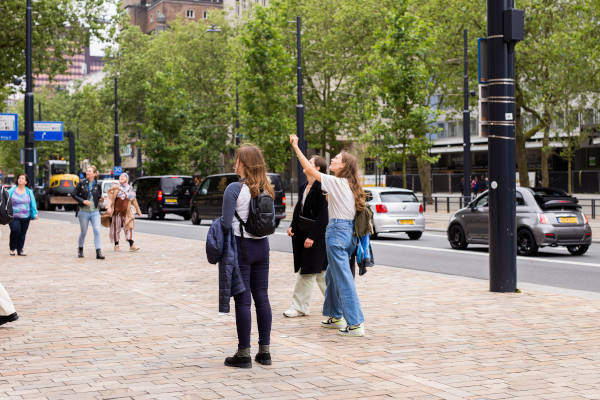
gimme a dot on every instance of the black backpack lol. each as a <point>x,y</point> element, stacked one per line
<point>261,216</point>
<point>6,209</point>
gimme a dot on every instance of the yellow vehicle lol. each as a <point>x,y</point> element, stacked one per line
<point>58,187</point>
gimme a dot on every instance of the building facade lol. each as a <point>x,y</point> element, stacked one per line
<point>78,67</point>
<point>155,15</point>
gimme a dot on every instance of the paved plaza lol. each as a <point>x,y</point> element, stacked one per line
<point>146,326</point>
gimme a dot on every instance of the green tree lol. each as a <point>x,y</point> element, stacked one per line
<point>267,85</point>
<point>60,28</point>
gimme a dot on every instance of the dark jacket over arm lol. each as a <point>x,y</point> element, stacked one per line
<point>82,194</point>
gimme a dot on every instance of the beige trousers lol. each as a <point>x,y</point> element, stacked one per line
<point>6,305</point>
<point>303,290</point>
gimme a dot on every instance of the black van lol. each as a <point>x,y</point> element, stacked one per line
<point>159,195</point>
<point>207,202</point>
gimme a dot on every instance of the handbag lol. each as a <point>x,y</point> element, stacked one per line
<point>305,224</point>
<point>105,220</point>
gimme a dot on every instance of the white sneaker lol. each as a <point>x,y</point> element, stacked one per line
<point>293,313</point>
<point>353,330</point>
<point>334,323</point>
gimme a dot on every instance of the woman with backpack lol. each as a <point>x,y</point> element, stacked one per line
<point>252,253</point>
<point>307,231</point>
<point>87,194</point>
<point>24,210</point>
<point>345,197</point>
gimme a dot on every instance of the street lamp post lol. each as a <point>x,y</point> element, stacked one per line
<point>299,106</point>
<point>29,143</point>
<point>117,153</point>
<point>466,128</point>
<point>505,28</point>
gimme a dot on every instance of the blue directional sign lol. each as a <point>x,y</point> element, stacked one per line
<point>117,171</point>
<point>9,126</point>
<point>48,130</point>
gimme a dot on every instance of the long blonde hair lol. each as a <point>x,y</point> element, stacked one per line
<point>350,172</point>
<point>251,161</point>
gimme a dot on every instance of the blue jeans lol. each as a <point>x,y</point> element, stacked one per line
<point>84,219</point>
<point>18,230</point>
<point>341,298</point>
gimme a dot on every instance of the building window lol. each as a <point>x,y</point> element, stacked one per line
<point>151,18</point>
<point>189,14</point>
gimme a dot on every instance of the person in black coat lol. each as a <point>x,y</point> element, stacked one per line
<point>308,241</point>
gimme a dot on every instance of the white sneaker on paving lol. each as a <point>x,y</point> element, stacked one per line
<point>353,330</point>
<point>334,323</point>
<point>293,313</point>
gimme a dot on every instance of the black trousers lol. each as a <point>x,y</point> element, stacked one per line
<point>18,230</point>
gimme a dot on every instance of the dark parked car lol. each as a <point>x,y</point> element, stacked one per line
<point>160,195</point>
<point>545,217</point>
<point>207,202</point>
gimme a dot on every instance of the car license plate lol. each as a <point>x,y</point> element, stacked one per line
<point>406,222</point>
<point>171,201</point>
<point>567,220</point>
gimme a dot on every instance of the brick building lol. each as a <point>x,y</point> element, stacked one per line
<point>155,15</point>
<point>78,67</point>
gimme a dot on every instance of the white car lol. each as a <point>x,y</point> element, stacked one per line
<point>105,185</point>
<point>396,210</point>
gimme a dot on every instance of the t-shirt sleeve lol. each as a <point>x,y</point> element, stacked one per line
<point>329,182</point>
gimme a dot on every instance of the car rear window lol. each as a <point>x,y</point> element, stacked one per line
<point>172,183</point>
<point>398,197</point>
<point>276,182</point>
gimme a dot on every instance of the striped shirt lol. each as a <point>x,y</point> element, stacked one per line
<point>21,204</point>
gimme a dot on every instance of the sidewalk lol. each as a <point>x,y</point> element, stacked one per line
<point>146,326</point>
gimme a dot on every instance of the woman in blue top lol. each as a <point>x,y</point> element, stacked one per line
<point>24,210</point>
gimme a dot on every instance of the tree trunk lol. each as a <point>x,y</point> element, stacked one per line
<point>404,183</point>
<point>520,149</point>
<point>424,167</point>
<point>570,177</point>
<point>546,153</point>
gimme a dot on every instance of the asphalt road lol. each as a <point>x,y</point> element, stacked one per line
<point>551,267</point>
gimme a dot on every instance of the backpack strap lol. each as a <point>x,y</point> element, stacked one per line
<point>241,232</point>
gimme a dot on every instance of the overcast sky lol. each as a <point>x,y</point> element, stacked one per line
<point>96,47</point>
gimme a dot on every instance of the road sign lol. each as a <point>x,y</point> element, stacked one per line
<point>117,171</point>
<point>9,126</point>
<point>48,130</point>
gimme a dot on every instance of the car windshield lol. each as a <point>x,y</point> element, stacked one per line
<point>398,197</point>
<point>171,184</point>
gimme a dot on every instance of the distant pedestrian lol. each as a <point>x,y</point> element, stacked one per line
<point>252,256</point>
<point>475,186</point>
<point>308,241</point>
<point>461,185</point>
<point>7,308</point>
<point>122,205</point>
<point>87,194</point>
<point>483,184</point>
<point>24,210</point>
<point>345,197</point>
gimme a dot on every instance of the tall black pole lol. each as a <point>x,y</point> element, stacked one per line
<point>72,157</point>
<point>501,143</point>
<point>466,127</point>
<point>116,144</point>
<point>237,113</point>
<point>39,110</point>
<point>300,106</point>
<point>29,138</point>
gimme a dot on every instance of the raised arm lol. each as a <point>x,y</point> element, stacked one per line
<point>308,168</point>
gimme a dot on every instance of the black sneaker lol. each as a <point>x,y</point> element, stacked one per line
<point>263,358</point>
<point>238,362</point>
<point>8,318</point>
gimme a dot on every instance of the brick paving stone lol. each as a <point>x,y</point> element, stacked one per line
<point>146,326</point>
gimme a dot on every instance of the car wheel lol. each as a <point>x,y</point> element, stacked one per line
<point>195,217</point>
<point>579,249</point>
<point>414,235</point>
<point>187,216</point>
<point>526,245</point>
<point>456,237</point>
<point>151,213</point>
<point>277,222</point>
<point>161,216</point>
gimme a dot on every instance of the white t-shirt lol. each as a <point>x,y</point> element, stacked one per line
<point>340,197</point>
<point>242,206</point>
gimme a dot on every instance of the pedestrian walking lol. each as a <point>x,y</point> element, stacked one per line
<point>7,308</point>
<point>308,241</point>
<point>87,194</point>
<point>122,207</point>
<point>475,186</point>
<point>252,255</point>
<point>345,198</point>
<point>24,210</point>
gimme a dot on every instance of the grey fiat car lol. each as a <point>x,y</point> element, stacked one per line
<point>545,217</point>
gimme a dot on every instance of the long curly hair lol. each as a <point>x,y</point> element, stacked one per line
<point>350,172</point>
<point>251,161</point>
